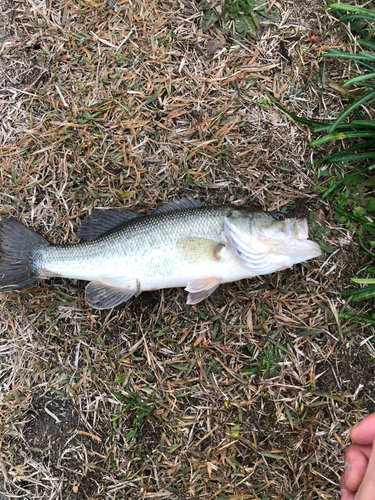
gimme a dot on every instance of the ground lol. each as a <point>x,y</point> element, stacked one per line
<point>250,394</point>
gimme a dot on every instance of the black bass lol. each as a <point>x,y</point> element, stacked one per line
<point>182,244</point>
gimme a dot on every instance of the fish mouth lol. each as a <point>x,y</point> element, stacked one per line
<point>269,249</point>
<point>296,243</point>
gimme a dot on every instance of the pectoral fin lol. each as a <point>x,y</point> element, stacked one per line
<point>200,289</point>
<point>107,293</point>
<point>195,250</point>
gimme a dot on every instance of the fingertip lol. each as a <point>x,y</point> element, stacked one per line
<point>346,495</point>
<point>356,461</point>
<point>364,431</point>
<point>367,486</point>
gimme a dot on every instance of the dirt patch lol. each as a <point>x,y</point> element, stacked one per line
<point>57,442</point>
<point>351,373</point>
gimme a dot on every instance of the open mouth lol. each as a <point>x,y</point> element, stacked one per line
<point>297,244</point>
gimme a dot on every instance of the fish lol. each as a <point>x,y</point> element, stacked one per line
<point>181,244</point>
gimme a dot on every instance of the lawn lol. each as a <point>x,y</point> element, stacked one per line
<point>248,395</point>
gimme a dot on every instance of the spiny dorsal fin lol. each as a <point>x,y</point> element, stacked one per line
<point>183,204</point>
<point>102,221</point>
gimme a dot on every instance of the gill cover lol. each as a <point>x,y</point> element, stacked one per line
<point>265,242</point>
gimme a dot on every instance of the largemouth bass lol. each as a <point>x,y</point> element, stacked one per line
<point>182,244</point>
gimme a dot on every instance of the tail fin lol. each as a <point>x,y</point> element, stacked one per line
<point>17,243</point>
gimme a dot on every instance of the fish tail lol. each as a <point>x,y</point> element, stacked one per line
<point>17,245</point>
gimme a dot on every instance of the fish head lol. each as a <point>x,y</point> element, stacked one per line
<point>268,238</point>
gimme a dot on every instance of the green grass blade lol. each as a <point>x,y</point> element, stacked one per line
<point>366,85</point>
<point>354,218</point>
<point>368,17</point>
<point>339,53</point>
<point>324,128</point>
<point>359,291</point>
<point>368,293</point>
<point>354,157</point>
<point>342,126</point>
<point>346,158</point>
<point>358,102</point>
<point>358,79</point>
<point>362,56</point>
<point>362,124</point>
<point>360,319</point>
<point>364,281</point>
<point>355,124</point>
<point>154,96</point>
<point>367,55</point>
<point>341,181</point>
<point>298,119</point>
<point>370,270</point>
<point>353,25</point>
<point>363,245</point>
<point>342,135</point>
<point>354,57</point>
<point>336,157</point>
<point>366,43</point>
<point>351,8</point>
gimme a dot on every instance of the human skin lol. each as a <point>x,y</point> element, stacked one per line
<point>358,480</point>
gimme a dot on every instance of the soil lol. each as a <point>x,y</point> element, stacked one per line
<point>53,436</point>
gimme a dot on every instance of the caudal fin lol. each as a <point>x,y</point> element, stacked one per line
<point>17,243</point>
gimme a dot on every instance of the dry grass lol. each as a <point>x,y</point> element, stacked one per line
<point>251,394</point>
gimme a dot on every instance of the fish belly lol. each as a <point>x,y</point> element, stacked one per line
<point>152,269</point>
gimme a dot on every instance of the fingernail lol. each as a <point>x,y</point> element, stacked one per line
<point>344,494</point>
<point>347,469</point>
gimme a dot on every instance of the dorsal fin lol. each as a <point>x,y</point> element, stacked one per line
<point>183,204</point>
<point>102,221</point>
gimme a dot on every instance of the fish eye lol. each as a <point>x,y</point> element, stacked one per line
<point>278,216</point>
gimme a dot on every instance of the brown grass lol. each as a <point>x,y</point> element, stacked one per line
<point>249,395</point>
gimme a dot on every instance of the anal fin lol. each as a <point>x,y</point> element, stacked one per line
<point>201,288</point>
<point>107,293</point>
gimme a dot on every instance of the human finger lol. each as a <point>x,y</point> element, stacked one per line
<point>345,494</point>
<point>364,431</point>
<point>367,489</point>
<point>356,463</point>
